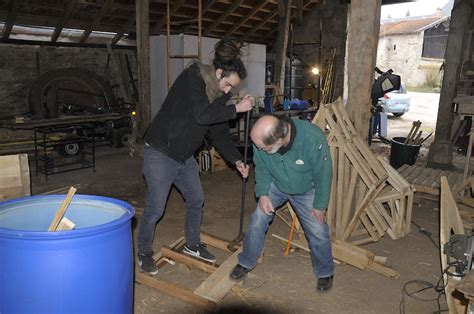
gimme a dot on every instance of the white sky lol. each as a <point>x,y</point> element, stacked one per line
<point>420,7</point>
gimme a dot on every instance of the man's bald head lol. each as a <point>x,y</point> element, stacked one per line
<point>270,131</point>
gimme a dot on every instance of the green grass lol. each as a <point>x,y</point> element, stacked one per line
<point>423,89</point>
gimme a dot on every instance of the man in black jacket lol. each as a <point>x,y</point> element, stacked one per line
<point>195,104</point>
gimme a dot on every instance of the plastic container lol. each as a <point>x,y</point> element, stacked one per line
<point>401,153</point>
<point>85,270</point>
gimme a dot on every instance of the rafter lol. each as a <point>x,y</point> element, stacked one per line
<point>222,17</point>
<point>119,35</point>
<point>59,27</point>
<point>96,20</point>
<point>14,7</point>
<point>174,8</point>
<point>263,22</point>
<point>205,8</point>
<point>246,18</point>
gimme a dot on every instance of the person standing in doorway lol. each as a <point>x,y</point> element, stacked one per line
<point>292,163</point>
<point>195,105</point>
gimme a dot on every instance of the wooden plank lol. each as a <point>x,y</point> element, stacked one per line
<point>414,174</point>
<point>174,290</point>
<point>383,270</point>
<point>436,182</point>
<point>424,174</point>
<point>218,284</point>
<point>25,175</point>
<point>188,260</point>
<point>434,175</point>
<point>216,242</point>
<point>450,221</point>
<point>371,194</point>
<point>405,170</point>
<point>62,209</point>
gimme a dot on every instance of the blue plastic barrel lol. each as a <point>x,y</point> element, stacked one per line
<point>85,270</point>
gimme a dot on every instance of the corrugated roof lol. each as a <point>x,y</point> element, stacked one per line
<point>410,26</point>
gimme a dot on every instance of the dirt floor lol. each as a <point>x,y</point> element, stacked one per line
<point>281,284</point>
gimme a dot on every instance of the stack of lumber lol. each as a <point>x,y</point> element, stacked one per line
<point>368,197</point>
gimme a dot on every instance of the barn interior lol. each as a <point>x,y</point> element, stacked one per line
<point>82,81</point>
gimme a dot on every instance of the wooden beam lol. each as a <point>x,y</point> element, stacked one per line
<point>105,7</point>
<point>259,25</point>
<point>440,153</point>
<point>188,260</point>
<point>174,290</point>
<point>218,284</point>
<point>224,15</point>
<point>119,34</point>
<point>282,44</point>
<point>143,56</point>
<point>62,21</point>
<point>361,52</point>
<point>208,5</point>
<point>12,14</point>
<point>247,17</point>
<point>174,8</point>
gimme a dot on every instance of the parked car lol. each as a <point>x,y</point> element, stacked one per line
<point>396,102</point>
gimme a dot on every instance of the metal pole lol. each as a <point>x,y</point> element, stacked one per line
<point>244,180</point>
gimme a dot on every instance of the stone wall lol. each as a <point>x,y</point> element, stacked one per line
<point>21,65</point>
<point>332,16</point>
<point>403,54</point>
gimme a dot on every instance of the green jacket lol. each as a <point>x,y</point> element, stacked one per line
<point>305,166</point>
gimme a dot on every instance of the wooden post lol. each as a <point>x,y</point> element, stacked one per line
<point>440,153</point>
<point>363,34</point>
<point>142,10</point>
<point>284,7</point>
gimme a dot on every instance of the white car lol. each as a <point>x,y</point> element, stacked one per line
<point>396,102</point>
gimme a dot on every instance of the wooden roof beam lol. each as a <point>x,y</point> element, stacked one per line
<point>224,15</point>
<point>205,8</point>
<point>96,21</point>
<point>246,18</point>
<point>127,27</point>
<point>259,25</point>
<point>174,8</point>
<point>59,27</point>
<point>14,8</point>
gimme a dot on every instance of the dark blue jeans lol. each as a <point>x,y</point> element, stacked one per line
<point>316,233</point>
<point>161,172</point>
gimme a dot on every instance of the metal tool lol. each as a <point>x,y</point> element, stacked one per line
<point>233,244</point>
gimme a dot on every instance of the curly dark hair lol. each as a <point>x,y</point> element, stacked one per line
<point>227,58</point>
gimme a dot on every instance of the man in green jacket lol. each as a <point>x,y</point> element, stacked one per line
<point>292,163</point>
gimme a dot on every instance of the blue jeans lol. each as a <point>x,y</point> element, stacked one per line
<point>161,172</point>
<point>316,233</point>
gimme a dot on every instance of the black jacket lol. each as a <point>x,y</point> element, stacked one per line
<point>179,128</point>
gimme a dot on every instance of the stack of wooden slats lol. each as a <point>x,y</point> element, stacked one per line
<point>368,197</point>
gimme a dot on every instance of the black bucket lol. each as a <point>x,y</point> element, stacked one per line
<point>401,153</point>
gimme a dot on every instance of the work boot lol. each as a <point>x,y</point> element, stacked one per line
<point>147,264</point>
<point>238,273</point>
<point>199,251</point>
<point>324,284</point>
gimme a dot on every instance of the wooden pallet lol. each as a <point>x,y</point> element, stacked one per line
<point>212,290</point>
<point>426,180</point>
